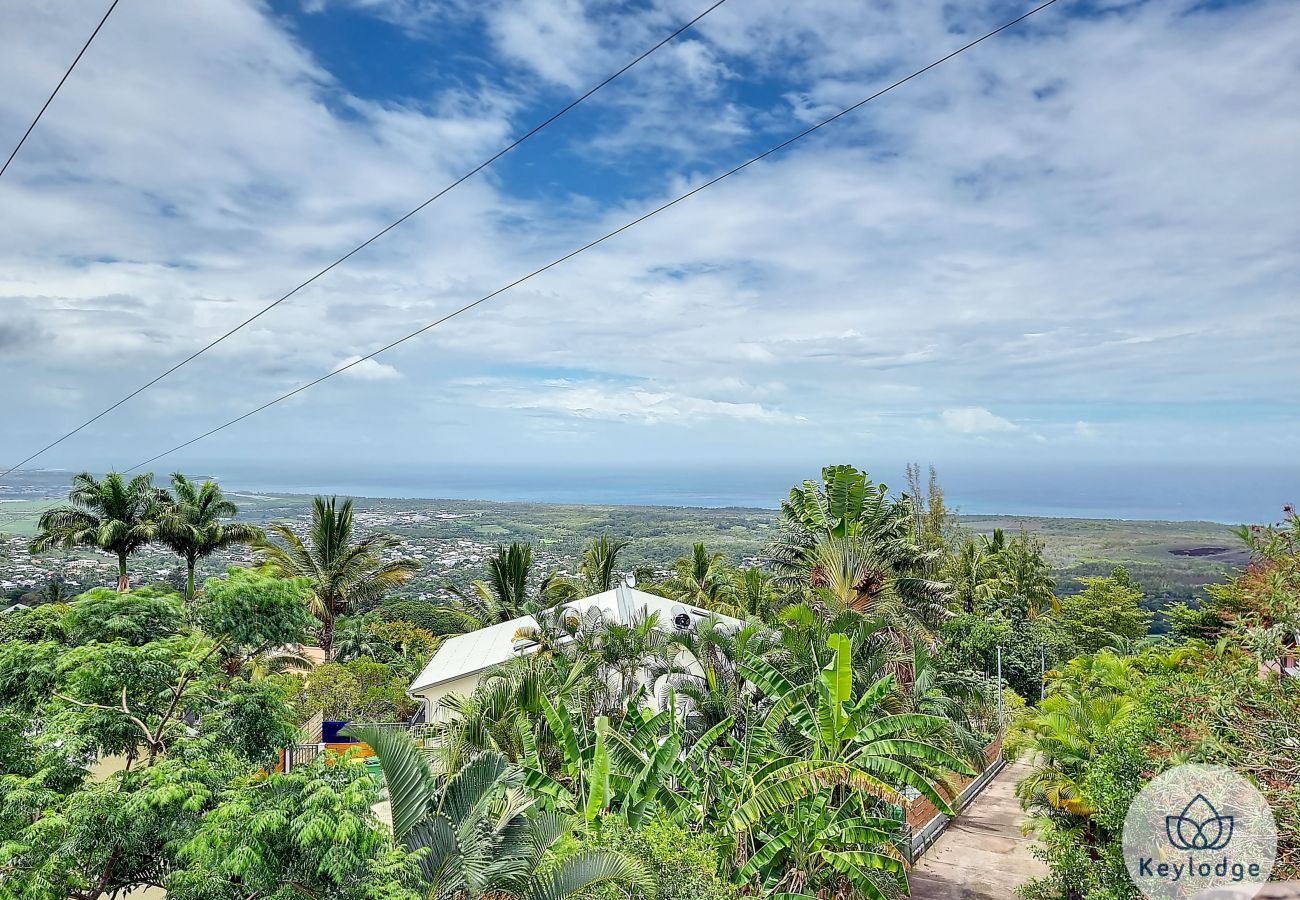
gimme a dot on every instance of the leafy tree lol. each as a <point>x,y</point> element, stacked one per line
<point>684,864</point>
<point>191,523</point>
<point>343,572</point>
<point>252,720</point>
<point>361,690</point>
<point>102,615</point>
<point>309,833</point>
<point>111,514</point>
<point>133,698</point>
<point>40,623</point>
<point>253,613</point>
<point>1106,610</point>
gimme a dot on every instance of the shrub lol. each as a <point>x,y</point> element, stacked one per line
<point>684,864</point>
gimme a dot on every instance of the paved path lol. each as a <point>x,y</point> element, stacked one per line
<point>983,855</point>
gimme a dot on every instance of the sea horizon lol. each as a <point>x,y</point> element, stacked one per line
<point>1164,493</point>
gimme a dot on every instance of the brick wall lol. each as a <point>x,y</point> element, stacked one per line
<point>920,811</point>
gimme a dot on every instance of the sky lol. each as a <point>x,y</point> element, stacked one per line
<point>1078,242</point>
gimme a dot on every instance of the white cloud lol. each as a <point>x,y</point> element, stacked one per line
<point>1085,213</point>
<point>975,420</point>
<point>368,370</point>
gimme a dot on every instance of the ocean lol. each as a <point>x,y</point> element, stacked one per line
<point>1140,491</point>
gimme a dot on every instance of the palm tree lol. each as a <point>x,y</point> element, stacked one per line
<point>352,639</point>
<point>343,571</point>
<point>191,524</point>
<point>597,572</point>
<point>504,594</point>
<point>700,579</point>
<point>480,833</point>
<point>1024,576</point>
<point>752,594</point>
<point>112,514</point>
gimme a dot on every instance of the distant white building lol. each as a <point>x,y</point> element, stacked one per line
<point>461,660</point>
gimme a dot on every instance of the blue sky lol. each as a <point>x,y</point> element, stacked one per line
<point>1079,241</point>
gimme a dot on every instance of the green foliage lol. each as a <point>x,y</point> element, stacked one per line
<point>254,611</point>
<point>145,614</point>
<point>436,618</point>
<point>190,522</point>
<point>252,719</point>
<point>361,689</point>
<point>1106,610</point>
<point>344,572</point>
<point>112,514</point>
<point>40,623</point>
<point>310,832</point>
<point>685,864</point>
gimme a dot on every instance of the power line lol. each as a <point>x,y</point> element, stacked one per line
<point>364,244</point>
<point>600,240</point>
<point>50,99</point>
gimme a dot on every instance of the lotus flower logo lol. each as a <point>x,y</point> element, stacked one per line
<point>1199,826</point>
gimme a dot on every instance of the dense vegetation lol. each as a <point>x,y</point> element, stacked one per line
<point>140,729</point>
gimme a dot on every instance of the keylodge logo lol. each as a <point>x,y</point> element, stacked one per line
<point>1199,826</point>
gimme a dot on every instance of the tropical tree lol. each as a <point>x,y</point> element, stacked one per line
<point>817,808</point>
<point>344,571</point>
<point>701,579</point>
<point>1024,578</point>
<point>504,595</point>
<point>753,594</point>
<point>353,639</point>
<point>191,524</point>
<point>480,834</point>
<point>110,514</point>
<point>597,572</point>
<point>699,673</point>
<point>854,518</point>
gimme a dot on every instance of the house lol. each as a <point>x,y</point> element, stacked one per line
<point>17,607</point>
<point>462,660</point>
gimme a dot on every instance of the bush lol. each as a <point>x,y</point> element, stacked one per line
<point>437,618</point>
<point>684,864</point>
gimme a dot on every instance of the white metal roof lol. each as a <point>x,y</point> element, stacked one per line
<point>467,654</point>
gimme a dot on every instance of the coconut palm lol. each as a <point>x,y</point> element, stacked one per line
<point>344,571</point>
<point>111,514</point>
<point>192,525</point>
<point>480,834</point>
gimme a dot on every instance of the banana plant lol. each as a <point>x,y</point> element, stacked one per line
<point>814,809</point>
<point>606,770</point>
<point>478,833</point>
